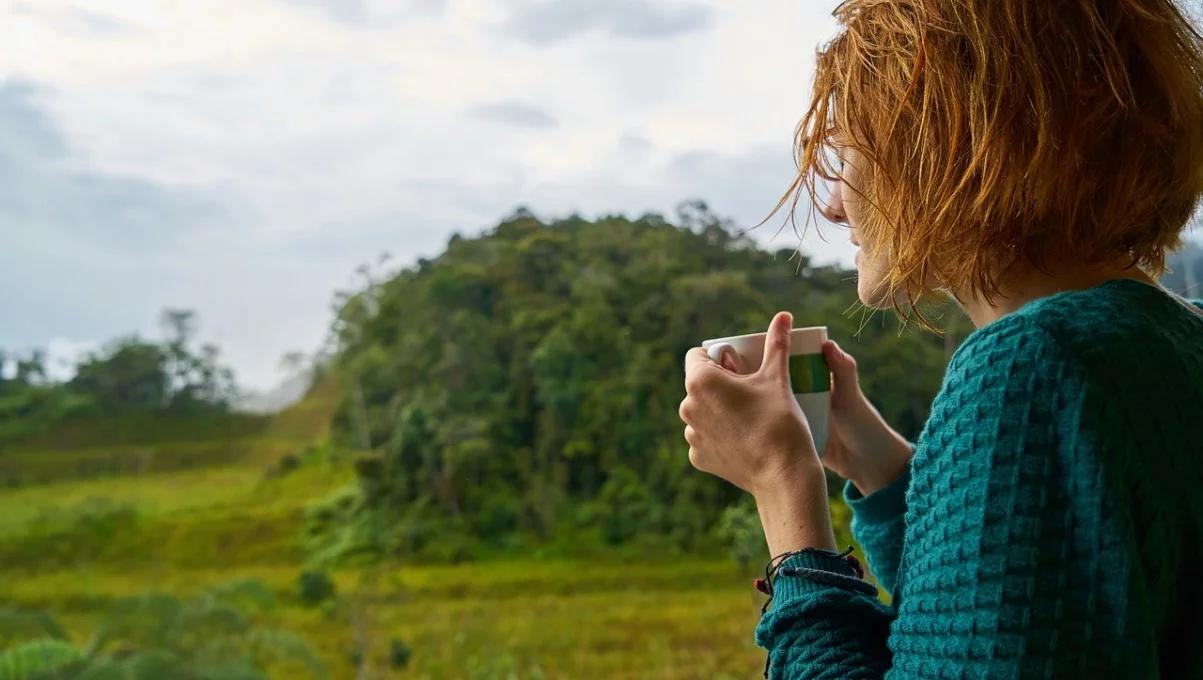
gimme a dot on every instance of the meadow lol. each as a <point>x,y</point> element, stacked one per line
<point>489,482</point>
<point>74,545</point>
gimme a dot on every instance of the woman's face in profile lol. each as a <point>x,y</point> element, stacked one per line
<point>844,207</point>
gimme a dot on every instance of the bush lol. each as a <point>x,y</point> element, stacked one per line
<point>315,586</point>
<point>153,635</point>
<point>739,528</point>
<point>286,464</point>
<point>630,507</point>
<point>398,653</point>
<point>93,528</point>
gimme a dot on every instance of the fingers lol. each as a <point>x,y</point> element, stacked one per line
<point>687,410</point>
<point>701,372</point>
<point>842,364</point>
<point>776,346</point>
<point>694,359</point>
<point>695,453</point>
<point>729,359</point>
<point>691,435</point>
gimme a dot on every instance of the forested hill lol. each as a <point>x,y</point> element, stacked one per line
<point>526,382</point>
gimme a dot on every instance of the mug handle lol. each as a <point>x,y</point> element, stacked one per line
<point>716,351</point>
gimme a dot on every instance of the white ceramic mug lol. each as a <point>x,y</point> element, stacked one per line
<point>810,376</point>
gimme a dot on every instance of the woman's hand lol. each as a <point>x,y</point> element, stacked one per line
<point>861,446</point>
<point>748,429</point>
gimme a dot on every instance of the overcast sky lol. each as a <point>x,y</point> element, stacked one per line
<point>242,157</point>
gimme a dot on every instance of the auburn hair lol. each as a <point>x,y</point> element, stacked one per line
<point>994,132</point>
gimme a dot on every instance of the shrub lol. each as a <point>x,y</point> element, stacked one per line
<point>315,586</point>
<point>398,653</point>
<point>739,528</point>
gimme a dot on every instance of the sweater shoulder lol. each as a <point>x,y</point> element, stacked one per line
<point>1011,347</point>
<point>1087,330</point>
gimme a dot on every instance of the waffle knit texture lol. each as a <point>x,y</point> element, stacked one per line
<point>1050,521</point>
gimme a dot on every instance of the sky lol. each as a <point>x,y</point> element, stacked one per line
<point>242,157</point>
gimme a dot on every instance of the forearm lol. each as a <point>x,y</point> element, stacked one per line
<point>794,511</point>
<point>886,457</point>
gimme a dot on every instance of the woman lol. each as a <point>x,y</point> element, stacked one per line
<point>1035,161</point>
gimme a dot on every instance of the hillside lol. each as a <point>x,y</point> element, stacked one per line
<point>81,546</point>
<point>487,481</point>
<point>511,402</point>
<point>523,386</point>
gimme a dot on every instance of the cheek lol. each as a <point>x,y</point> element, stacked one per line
<point>851,206</point>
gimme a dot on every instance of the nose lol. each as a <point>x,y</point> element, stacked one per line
<point>834,209</point>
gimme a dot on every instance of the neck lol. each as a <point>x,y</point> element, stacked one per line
<point>1023,286</point>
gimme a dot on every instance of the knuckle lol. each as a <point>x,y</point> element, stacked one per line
<point>691,382</point>
<point>686,411</point>
<point>697,381</point>
<point>695,458</point>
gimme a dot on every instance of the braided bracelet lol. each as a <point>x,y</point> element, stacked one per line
<point>765,585</point>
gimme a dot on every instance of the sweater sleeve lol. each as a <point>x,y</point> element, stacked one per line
<point>877,525</point>
<point>986,587</point>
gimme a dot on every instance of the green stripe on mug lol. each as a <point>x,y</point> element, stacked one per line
<point>809,373</point>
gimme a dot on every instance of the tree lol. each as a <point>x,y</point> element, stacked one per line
<point>527,381</point>
<point>129,374</point>
<point>31,369</point>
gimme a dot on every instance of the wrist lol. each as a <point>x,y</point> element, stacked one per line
<point>885,467</point>
<point>794,512</point>
<point>788,479</point>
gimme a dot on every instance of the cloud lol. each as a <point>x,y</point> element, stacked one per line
<point>63,354</point>
<point>77,21</point>
<point>515,113</point>
<point>634,142</point>
<point>45,184</point>
<point>745,183</point>
<point>257,173</point>
<point>551,21</point>
<point>370,13</point>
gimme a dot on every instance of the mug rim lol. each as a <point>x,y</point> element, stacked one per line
<point>707,343</point>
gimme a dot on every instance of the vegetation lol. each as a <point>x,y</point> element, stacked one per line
<point>211,636</point>
<point>487,479</point>
<point>524,385</point>
<point>130,374</point>
<point>185,531</point>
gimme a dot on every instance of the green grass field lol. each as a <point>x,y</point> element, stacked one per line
<point>71,544</point>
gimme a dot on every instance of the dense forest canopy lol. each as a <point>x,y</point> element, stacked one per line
<point>526,382</point>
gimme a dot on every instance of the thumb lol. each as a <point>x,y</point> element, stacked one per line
<point>777,344</point>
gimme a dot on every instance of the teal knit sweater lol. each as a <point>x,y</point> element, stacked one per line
<point>1049,524</point>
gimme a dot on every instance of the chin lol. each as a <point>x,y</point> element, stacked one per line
<point>871,294</point>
